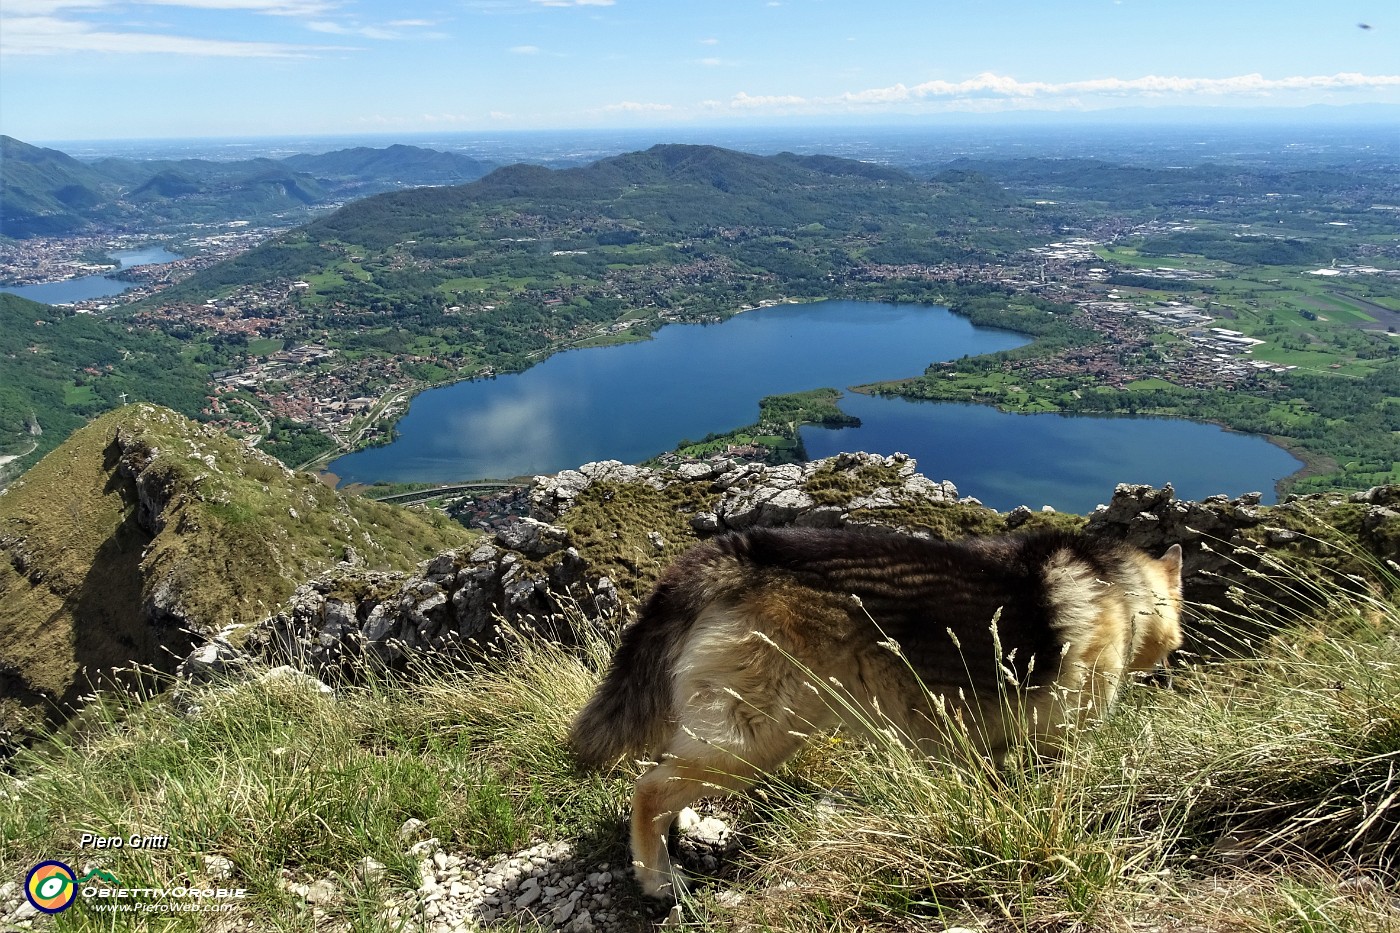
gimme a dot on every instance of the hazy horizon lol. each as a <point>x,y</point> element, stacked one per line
<point>1275,141</point>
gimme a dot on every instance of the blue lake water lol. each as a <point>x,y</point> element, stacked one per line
<point>1070,462</point>
<point>93,286</point>
<point>633,401</point>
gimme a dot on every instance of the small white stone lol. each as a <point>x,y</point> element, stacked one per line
<point>425,848</point>
<point>368,868</point>
<point>321,892</point>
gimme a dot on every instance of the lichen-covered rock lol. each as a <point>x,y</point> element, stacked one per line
<point>533,538</point>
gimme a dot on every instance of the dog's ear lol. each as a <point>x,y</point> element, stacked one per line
<point>1171,563</point>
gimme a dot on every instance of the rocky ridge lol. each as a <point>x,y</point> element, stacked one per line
<point>534,574</point>
<point>531,574</point>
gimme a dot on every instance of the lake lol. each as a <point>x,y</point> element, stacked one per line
<point>636,400</point>
<point>1070,462</point>
<point>93,286</point>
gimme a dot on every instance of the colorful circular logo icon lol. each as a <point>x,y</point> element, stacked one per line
<point>51,887</point>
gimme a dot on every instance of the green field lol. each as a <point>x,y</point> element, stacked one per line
<point>265,346</point>
<point>79,395</point>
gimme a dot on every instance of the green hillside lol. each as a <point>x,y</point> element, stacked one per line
<point>59,368</point>
<point>45,192</point>
<point>789,215</point>
<point>144,530</point>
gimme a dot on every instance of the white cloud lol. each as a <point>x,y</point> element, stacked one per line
<point>46,35</point>
<point>20,8</point>
<point>993,87</point>
<point>269,7</point>
<point>744,101</point>
<point>709,41</point>
<point>631,106</point>
<point>390,30</point>
<point>574,2</point>
<point>525,49</point>
<point>369,32</point>
<point>52,27</point>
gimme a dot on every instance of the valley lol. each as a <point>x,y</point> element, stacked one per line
<point>1144,293</point>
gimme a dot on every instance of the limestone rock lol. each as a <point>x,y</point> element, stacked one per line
<point>533,538</point>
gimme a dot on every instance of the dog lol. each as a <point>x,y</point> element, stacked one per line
<point>755,640</point>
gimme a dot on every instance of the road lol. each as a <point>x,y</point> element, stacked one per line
<point>436,491</point>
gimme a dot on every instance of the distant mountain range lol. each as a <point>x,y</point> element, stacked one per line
<point>44,192</point>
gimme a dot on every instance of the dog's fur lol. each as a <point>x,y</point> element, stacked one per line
<point>753,641</point>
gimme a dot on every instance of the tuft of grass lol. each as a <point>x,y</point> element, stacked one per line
<point>834,484</point>
<point>291,784</point>
<point>611,523</point>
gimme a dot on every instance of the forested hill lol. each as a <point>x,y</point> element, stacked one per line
<point>792,216</point>
<point>664,191</point>
<point>46,192</point>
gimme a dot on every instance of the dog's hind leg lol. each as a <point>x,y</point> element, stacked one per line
<point>690,769</point>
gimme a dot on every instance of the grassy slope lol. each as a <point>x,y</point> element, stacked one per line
<point>1250,797</point>
<point>239,533</point>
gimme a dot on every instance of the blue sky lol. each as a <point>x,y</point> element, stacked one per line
<point>100,69</point>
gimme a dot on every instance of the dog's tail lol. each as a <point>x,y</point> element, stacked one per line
<point>631,713</point>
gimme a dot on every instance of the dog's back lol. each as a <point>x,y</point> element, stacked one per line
<point>754,640</point>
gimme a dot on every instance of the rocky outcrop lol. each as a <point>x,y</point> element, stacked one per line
<point>552,496</point>
<point>454,605</point>
<point>534,575</point>
<point>146,533</point>
<point>751,495</point>
<point>531,575</point>
<point>1247,566</point>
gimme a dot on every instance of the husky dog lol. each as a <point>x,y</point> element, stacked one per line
<point>753,641</point>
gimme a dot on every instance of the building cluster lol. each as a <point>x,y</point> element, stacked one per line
<point>312,384</point>
<point>1351,269</point>
<point>38,260</point>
